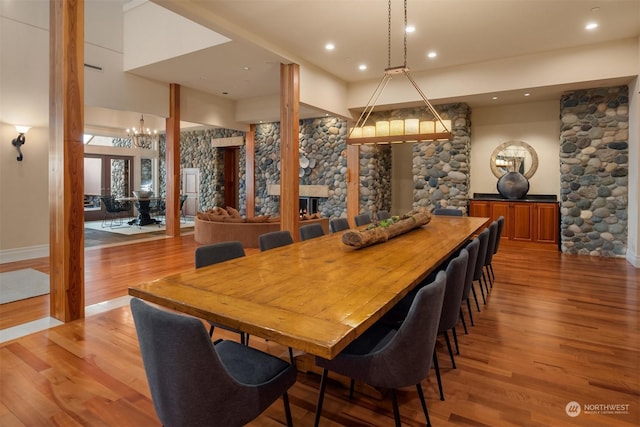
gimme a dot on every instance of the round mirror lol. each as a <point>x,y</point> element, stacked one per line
<point>514,156</point>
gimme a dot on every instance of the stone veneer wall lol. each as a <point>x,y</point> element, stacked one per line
<point>440,168</point>
<point>594,166</point>
<point>375,178</point>
<point>196,152</point>
<point>323,143</point>
<point>441,172</point>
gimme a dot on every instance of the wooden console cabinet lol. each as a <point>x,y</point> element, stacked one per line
<point>525,220</point>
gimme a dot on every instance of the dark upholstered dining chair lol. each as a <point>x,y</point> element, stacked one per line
<point>500,222</point>
<point>456,273</point>
<point>213,254</point>
<point>472,249</point>
<point>383,214</point>
<point>309,231</point>
<point>338,224</point>
<point>447,211</point>
<point>195,382</point>
<point>362,219</point>
<point>491,243</point>
<point>388,358</point>
<point>274,239</point>
<point>483,237</point>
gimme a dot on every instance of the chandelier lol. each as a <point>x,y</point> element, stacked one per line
<point>398,130</point>
<point>142,137</point>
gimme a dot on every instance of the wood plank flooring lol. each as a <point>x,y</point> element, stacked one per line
<point>556,329</point>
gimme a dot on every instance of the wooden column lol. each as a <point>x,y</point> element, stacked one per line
<point>250,175</point>
<point>173,163</point>
<point>66,159</point>
<point>353,183</point>
<point>289,146</point>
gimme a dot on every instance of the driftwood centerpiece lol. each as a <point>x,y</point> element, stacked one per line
<point>384,230</point>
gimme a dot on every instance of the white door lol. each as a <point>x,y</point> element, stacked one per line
<point>191,188</point>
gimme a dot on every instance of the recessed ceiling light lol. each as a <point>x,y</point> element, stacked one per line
<point>362,67</point>
<point>494,98</point>
<point>591,26</point>
<point>245,68</point>
<point>329,46</point>
<point>410,29</point>
<point>527,94</point>
<point>432,54</point>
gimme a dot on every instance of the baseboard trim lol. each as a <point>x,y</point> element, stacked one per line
<point>21,254</point>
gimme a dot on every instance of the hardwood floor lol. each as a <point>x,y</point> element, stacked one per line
<point>555,329</point>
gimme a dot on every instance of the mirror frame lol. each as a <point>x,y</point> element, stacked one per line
<point>528,173</point>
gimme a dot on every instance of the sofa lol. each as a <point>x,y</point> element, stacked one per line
<point>247,233</point>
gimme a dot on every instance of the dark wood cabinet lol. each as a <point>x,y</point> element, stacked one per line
<point>525,220</point>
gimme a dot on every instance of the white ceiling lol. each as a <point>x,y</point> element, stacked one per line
<point>267,32</point>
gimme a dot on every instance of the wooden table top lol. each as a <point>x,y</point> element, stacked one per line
<point>316,296</point>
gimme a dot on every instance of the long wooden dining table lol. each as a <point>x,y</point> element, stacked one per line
<point>317,295</point>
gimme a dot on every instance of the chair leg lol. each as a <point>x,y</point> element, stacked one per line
<point>487,268</point>
<point>211,331</point>
<point>493,275</point>
<point>293,362</point>
<point>446,339</point>
<point>469,310</point>
<point>287,409</point>
<point>424,404</point>
<point>396,410</point>
<point>464,324</point>
<point>436,367</point>
<point>486,282</point>
<point>323,386</point>
<point>484,300</point>
<point>475,296</point>
<point>455,339</point>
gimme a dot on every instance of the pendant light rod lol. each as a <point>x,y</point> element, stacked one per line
<point>359,135</point>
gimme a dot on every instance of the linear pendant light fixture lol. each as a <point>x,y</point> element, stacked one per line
<point>398,130</point>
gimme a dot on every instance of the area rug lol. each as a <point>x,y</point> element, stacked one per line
<point>22,284</point>
<point>129,230</point>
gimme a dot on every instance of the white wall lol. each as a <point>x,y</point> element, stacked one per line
<point>537,124</point>
<point>24,191</point>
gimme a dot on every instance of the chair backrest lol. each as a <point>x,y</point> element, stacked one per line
<point>456,274</point>
<point>383,214</point>
<point>500,221</point>
<point>472,248</point>
<point>406,358</point>
<point>109,203</point>
<point>447,211</point>
<point>483,237</point>
<point>218,252</point>
<point>309,231</point>
<point>274,239</point>
<point>183,197</point>
<point>491,243</point>
<point>189,384</point>
<point>362,219</point>
<point>338,224</point>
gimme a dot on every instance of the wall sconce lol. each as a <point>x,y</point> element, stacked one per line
<point>20,140</point>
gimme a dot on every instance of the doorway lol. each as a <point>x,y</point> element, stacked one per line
<point>105,175</point>
<point>231,159</point>
<point>191,189</point>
